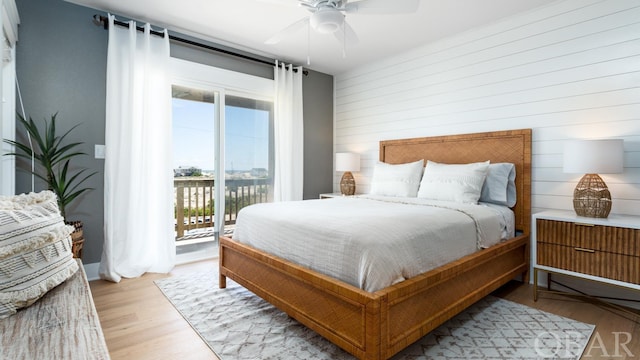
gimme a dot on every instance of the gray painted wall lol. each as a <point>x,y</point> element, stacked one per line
<point>61,67</point>
<point>317,89</point>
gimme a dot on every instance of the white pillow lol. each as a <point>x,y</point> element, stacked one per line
<point>453,182</point>
<point>500,186</point>
<point>396,180</point>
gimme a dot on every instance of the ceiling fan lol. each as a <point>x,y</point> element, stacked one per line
<point>328,16</point>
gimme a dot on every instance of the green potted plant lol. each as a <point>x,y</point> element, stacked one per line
<point>53,156</point>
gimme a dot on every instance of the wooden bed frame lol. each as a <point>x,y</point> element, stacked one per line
<point>378,325</point>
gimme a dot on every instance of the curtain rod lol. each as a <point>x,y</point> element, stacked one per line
<point>103,21</point>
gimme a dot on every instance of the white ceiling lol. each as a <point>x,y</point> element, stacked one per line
<point>246,24</point>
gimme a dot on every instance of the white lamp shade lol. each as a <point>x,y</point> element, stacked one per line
<point>594,156</point>
<point>347,162</point>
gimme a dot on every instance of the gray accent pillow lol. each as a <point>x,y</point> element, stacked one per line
<point>500,186</point>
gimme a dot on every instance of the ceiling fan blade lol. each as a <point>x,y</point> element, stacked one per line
<point>347,35</point>
<point>287,31</point>
<point>382,6</point>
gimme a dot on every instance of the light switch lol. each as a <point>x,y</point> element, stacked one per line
<point>99,151</point>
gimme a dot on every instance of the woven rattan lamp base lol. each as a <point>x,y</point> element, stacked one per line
<point>592,198</point>
<point>347,184</point>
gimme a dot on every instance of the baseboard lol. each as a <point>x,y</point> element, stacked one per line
<point>92,271</point>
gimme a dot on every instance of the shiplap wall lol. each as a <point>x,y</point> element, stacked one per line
<point>568,70</point>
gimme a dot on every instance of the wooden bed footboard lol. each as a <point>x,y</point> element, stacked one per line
<point>380,324</point>
<point>340,312</point>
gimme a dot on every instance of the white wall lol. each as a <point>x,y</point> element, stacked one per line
<point>567,70</point>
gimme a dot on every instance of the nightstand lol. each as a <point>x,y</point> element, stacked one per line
<point>602,250</point>
<point>330,195</point>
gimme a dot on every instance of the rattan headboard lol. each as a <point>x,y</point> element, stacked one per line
<point>512,146</point>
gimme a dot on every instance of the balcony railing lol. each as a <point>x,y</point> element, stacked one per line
<point>195,201</point>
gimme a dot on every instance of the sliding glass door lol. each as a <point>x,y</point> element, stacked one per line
<point>248,154</point>
<point>194,113</point>
<point>223,152</point>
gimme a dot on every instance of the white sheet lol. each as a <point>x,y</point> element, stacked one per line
<point>369,241</point>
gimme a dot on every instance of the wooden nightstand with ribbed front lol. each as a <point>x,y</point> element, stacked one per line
<point>602,250</point>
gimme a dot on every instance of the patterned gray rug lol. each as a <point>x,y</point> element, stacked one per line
<point>236,324</point>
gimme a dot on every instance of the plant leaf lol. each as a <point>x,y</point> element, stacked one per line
<point>53,156</point>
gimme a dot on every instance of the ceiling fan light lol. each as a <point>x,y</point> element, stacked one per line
<point>327,21</point>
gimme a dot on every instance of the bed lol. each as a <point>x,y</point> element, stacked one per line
<point>377,325</point>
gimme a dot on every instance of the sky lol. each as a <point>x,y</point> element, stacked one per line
<point>246,136</point>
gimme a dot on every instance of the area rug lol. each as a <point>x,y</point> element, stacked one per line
<point>236,324</point>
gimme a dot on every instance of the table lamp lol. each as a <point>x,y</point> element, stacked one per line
<point>591,197</point>
<point>347,162</point>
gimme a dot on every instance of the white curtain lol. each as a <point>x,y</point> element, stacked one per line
<point>288,123</point>
<point>138,176</point>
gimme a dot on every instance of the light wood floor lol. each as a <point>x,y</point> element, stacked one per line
<point>140,323</point>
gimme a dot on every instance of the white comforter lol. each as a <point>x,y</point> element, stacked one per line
<point>369,242</point>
